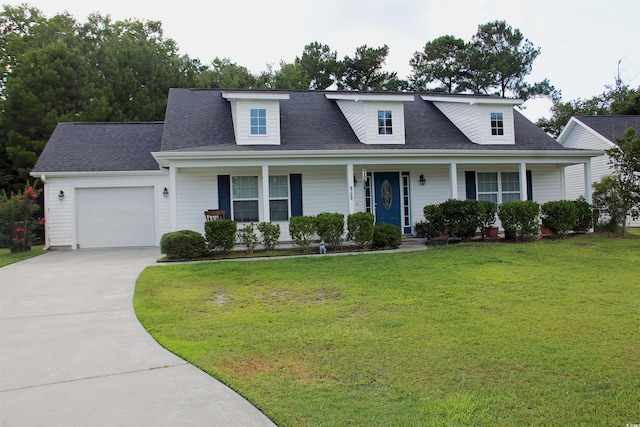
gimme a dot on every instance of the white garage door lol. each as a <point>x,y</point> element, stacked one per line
<point>115,217</point>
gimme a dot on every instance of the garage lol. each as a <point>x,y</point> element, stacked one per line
<point>115,217</point>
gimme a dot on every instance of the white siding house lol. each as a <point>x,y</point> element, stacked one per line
<point>593,133</point>
<point>271,155</point>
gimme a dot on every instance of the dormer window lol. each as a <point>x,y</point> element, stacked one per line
<point>497,124</point>
<point>385,122</point>
<point>258,117</point>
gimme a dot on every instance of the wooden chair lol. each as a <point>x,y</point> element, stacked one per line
<point>214,214</point>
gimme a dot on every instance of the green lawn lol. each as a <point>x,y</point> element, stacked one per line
<point>6,257</point>
<point>544,333</point>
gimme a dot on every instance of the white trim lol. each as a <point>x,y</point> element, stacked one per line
<point>369,97</point>
<point>253,95</point>
<point>453,179</point>
<point>588,191</point>
<point>523,182</point>
<point>266,198</point>
<point>350,189</point>
<point>118,174</point>
<point>573,122</point>
<point>472,100</point>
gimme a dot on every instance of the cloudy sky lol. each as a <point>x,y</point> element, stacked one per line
<point>581,41</point>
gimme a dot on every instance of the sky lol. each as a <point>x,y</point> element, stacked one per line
<point>582,41</point>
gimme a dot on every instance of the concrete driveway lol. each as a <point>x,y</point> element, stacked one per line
<point>72,352</point>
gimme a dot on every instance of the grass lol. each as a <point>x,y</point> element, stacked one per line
<point>545,333</point>
<point>6,257</point>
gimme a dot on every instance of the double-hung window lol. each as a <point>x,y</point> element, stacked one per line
<point>279,198</point>
<point>498,187</point>
<point>497,124</point>
<point>258,118</point>
<point>245,198</point>
<point>385,122</point>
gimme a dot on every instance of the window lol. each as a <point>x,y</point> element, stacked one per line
<point>405,201</point>
<point>245,198</point>
<point>279,198</point>
<point>498,187</point>
<point>497,124</point>
<point>258,121</point>
<point>385,122</point>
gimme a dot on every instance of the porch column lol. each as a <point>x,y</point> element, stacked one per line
<point>523,181</point>
<point>588,190</point>
<point>351,190</point>
<point>173,185</point>
<point>266,213</point>
<point>453,178</point>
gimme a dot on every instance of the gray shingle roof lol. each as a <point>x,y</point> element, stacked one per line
<point>611,127</point>
<point>100,147</point>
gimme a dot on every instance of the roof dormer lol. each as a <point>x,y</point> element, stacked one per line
<point>484,120</point>
<point>374,118</point>
<point>256,116</point>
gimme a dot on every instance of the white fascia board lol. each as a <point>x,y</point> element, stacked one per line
<point>253,95</point>
<point>573,122</point>
<point>159,172</point>
<point>369,97</point>
<point>472,100</point>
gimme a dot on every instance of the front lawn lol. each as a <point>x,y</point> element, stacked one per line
<point>6,257</point>
<point>543,333</point>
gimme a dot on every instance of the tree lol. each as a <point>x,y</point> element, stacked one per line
<point>622,195</point>
<point>443,61</point>
<point>319,65</point>
<point>364,72</point>
<point>499,60</point>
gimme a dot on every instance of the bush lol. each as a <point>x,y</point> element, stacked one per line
<point>17,219</point>
<point>220,234</point>
<point>386,236</point>
<point>330,227</point>
<point>462,217</point>
<point>360,228</point>
<point>487,216</point>
<point>302,230</point>
<point>270,234</point>
<point>559,216</point>
<point>184,244</point>
<point>247,236</point>
<point>584,215</point>
<point>520,218</point>
<point>435,225</point>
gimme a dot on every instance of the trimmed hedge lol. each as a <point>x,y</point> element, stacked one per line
<point>220,234</point>
<point>360,227</point>
<point>270,234</point>
<point>559,216</point>
<point>386,236</point>
<point>183,244</point>
<point>520,219</point>
<point>302,230</point>
<point>330,227</point>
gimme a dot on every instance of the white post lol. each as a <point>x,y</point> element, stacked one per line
<point>453,178</point>
<point>588,190</point>
<point>351,190</point>
<point>173,186</point>
<point>523,181</point>
<point>266,213</point>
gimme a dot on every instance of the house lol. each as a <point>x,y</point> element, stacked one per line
<point>593,133</point>
<point>270,155</point>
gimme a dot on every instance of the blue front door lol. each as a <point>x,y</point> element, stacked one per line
<point>387,187</point>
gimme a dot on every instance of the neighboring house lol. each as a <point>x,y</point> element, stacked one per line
<point>270,155</point>
<point>593,133</point>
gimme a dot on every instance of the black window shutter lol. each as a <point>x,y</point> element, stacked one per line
<point>224,195</point>
<point>470,183</point>
<point>295,182</point>
<point>529,186</point>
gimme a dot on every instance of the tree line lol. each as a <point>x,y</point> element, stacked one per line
<point>58,69</point>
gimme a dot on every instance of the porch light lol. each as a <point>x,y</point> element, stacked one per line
<point>165,193</point>
<point>422,180</point>
<point>61,195</point>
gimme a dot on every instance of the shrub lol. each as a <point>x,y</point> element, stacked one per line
<point>559,216</point>
<point>183,244</point>
<point>386,236</point>
<point>302,230</point>
<point>520,218</point>
<point>360,228</point>
<point>435,224</point>
<point>17,219</point>
<point>422,228</point>
<point>220,234</point>
<point>247,236</point>
<point>270,234</point>
<point>330,227</point>
<point>584,215</point>
<point>462,217</point>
